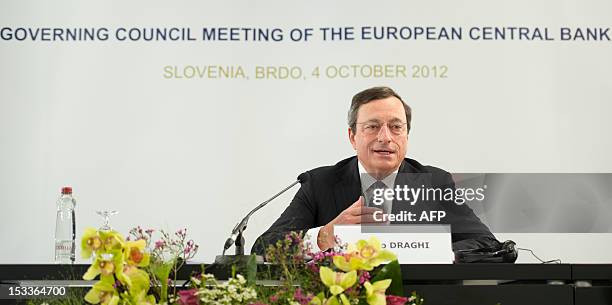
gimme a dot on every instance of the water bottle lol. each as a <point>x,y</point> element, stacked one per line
<point>65,226</point>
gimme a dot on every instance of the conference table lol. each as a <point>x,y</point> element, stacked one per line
<point>453,284</point>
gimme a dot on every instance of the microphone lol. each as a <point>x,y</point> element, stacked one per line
<point>236,235</point>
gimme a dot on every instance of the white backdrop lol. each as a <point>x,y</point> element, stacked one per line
<point>201,152</point>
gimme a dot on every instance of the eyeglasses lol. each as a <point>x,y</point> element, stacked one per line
<point>373,127</point>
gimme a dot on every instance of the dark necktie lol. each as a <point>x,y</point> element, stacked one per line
<point>378,188</point>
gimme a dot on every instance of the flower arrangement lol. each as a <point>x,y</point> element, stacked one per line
<point>118,263</point>
<point>129,268</point>
<point>168,254</point>
<point>345,275</point>
<point>234,292</point>
<point>137,270</point>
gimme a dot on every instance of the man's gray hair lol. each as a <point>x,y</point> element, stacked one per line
<point>372,94</point>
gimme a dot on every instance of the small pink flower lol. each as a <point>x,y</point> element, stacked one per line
<point>188,297</point>
<point>149,231</point>
<point>364,277</point>
<point>159,244</point>
<point>182,232</point>
<point>396,300</point>
<point>313,267</point>
<point>301,297</point>
<point>273,298</point>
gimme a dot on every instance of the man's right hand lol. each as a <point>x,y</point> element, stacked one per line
<point>355,214</point>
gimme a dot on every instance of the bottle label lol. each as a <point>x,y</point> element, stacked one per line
<point>63,251</point>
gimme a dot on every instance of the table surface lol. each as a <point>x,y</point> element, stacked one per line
<point>508,284</point>
<point>426,272</point>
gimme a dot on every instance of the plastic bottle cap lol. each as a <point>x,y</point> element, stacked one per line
<point>66,190</point>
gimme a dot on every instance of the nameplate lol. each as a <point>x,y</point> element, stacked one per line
<point>413,244</point>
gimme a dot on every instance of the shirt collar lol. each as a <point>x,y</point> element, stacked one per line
<point>367,180</point>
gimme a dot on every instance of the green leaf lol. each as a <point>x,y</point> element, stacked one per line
<point>251,270</point>
<point>162,272</point>
<point>391,271</point>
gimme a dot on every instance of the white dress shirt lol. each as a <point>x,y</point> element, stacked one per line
<point>366,181</point>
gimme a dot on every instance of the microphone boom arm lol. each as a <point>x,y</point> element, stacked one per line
<point>237,238</point>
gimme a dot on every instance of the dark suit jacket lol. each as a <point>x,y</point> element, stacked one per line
<point>329,190</point>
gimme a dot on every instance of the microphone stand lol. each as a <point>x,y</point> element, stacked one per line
<point>237,237</point>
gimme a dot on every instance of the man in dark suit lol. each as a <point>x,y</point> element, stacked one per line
<point>379,122</point>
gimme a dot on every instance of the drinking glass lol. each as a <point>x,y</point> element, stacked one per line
<point>106,214</point>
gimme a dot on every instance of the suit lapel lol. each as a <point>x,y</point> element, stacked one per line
<point>348,187</point>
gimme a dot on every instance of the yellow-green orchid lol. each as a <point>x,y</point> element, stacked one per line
<point>137,280</point>
<point>103,292</point>
<point>320,300</point>
<point>345,300</point>
<point>90,242</point>
<point>317,299</point>
<point>143,299</point>
<point>348,262</point>
<point>363,255</point>
<point>135,255</point>
<point>375,293</point>
<point>337,281</point>
<point>112,240</point>
<point>105,266</point>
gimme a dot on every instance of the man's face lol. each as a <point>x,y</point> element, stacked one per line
<point>378,140</point>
